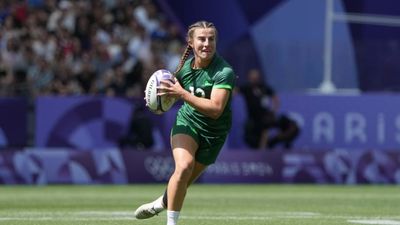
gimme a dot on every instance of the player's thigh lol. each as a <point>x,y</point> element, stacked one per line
<point>184,149</point>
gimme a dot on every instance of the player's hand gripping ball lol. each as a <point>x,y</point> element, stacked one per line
<point>158,104</point>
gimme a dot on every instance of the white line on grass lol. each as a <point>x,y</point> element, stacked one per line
<point>128,215</point>
<point>67,219</point>
<point>376,222</point>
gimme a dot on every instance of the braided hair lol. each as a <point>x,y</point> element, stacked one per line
<point>186,53</point>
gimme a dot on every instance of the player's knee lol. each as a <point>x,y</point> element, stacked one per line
<point>184,170</point>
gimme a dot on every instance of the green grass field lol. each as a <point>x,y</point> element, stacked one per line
<point>205,204</point>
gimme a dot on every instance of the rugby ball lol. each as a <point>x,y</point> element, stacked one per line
<point>158,104</point>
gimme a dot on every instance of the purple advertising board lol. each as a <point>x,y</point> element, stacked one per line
<point>66,166</point>
<point>13,122</point>
<point>81,122</point>
<point>368,121</point>
<point>87,123</point>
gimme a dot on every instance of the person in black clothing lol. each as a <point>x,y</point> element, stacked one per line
<point>140,133</point>
<point>262,106</point>
<point>288,131</point>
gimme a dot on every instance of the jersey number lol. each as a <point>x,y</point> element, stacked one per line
<point>198,92</point>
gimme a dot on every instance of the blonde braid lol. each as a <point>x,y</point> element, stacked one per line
<point>185,55</point>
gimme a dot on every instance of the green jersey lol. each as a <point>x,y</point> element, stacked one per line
<point>200,83</point>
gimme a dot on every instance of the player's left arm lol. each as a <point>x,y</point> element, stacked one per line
<point>219,96</point>
<point>212,107</point>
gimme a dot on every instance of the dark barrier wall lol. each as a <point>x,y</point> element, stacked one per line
<point>13,122</point>
<point>112,166</point>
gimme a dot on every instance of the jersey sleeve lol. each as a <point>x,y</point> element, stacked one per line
<point>225,79</point>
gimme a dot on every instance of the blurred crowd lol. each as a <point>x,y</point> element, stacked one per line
<point>106,47</point>
<point>109,47</point>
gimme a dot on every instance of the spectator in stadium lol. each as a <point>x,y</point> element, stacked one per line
<point>262,107</point>
<point>286,132</point>
<point>140,133</point>
<point>104,34</point>
<point>262,104</point>
<point>205,83</point>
